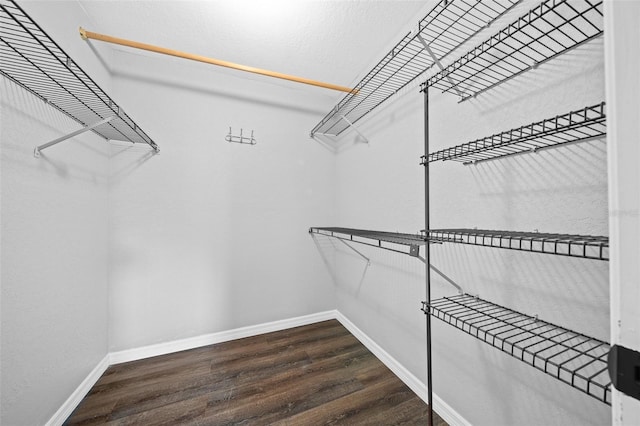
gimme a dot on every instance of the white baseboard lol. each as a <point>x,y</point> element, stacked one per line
<point>213,338</point>
<point>451,416</point>
<point>444,410</point>
<point>81,391</point>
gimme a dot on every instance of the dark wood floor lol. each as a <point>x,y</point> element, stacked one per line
<point>311,375</point>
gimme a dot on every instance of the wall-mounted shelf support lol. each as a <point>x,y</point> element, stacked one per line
<point>445,277</point>
<point>355,128</point>
<point>37,149</point>
<point>357,251</point>
<point>436,61</point>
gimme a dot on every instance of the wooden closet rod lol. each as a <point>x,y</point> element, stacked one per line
<point>137,45</point>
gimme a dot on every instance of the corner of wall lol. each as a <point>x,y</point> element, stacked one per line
<point>444,410</point>
<point>81,391</point>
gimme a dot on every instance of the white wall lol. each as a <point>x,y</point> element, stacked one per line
<point>210,235</point>
<point>54,242</point>
<point>380,186</point>
<point>106,247</point>
<point>623,89</point>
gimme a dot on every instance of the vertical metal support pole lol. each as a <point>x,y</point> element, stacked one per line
<point>427,255</point>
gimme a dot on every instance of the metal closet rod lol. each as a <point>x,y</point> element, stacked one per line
<point>163,50</point>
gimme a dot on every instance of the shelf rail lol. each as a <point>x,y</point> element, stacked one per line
<point>446,27</point>
<point>548,30</point>
<point>85,34</point>
<point>377,238</point>
<point>580,125</point>
<point>31,59</point>
<point>571,357</point>
<point>393,241</point>
<point>583,246</point>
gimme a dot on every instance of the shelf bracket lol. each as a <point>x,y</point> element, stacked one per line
<point>37,149</point>
<point>439,272</point>
<point>624,370</point>
<point>354,128</point>
<point>438,63</point>
<point>361,255</point>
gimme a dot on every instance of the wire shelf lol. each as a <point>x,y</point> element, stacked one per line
<point>375,238</point>
<point>30,58</point>
<point>579,125</point>
<point>447,26</point>
<point>550,29</point>
<point>573,358</point>
<point>583,246</point>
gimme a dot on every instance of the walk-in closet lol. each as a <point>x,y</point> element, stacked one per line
<point>319,212</point>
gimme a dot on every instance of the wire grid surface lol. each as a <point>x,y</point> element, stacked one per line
<point>389,237</point>
<point>546,31</point>
<point>448,25</point>
<point>571,357</point>
<point>30,58</point>
<point>579,125</point>
<point>583,246</point>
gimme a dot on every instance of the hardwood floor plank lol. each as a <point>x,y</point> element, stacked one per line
<point>253,386</point>
<point>307,334</point>
<point>342,409</point>
<point>315,374</point>
<point>214,384</point>
<point>94,411</point>
<point>282,397</point>
<point>410,412</point>
<point>181,412</point>
<point>157,364</point>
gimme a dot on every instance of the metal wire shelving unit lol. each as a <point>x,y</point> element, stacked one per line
<point>547,31</point>
<point>552,28</point>
<point>580,125</point>
<point>30,58</point>
<point>573,358</point>
<point>445,28</point>
<point>583,246</point>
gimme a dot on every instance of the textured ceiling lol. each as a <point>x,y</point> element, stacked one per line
<point>332,41</point>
